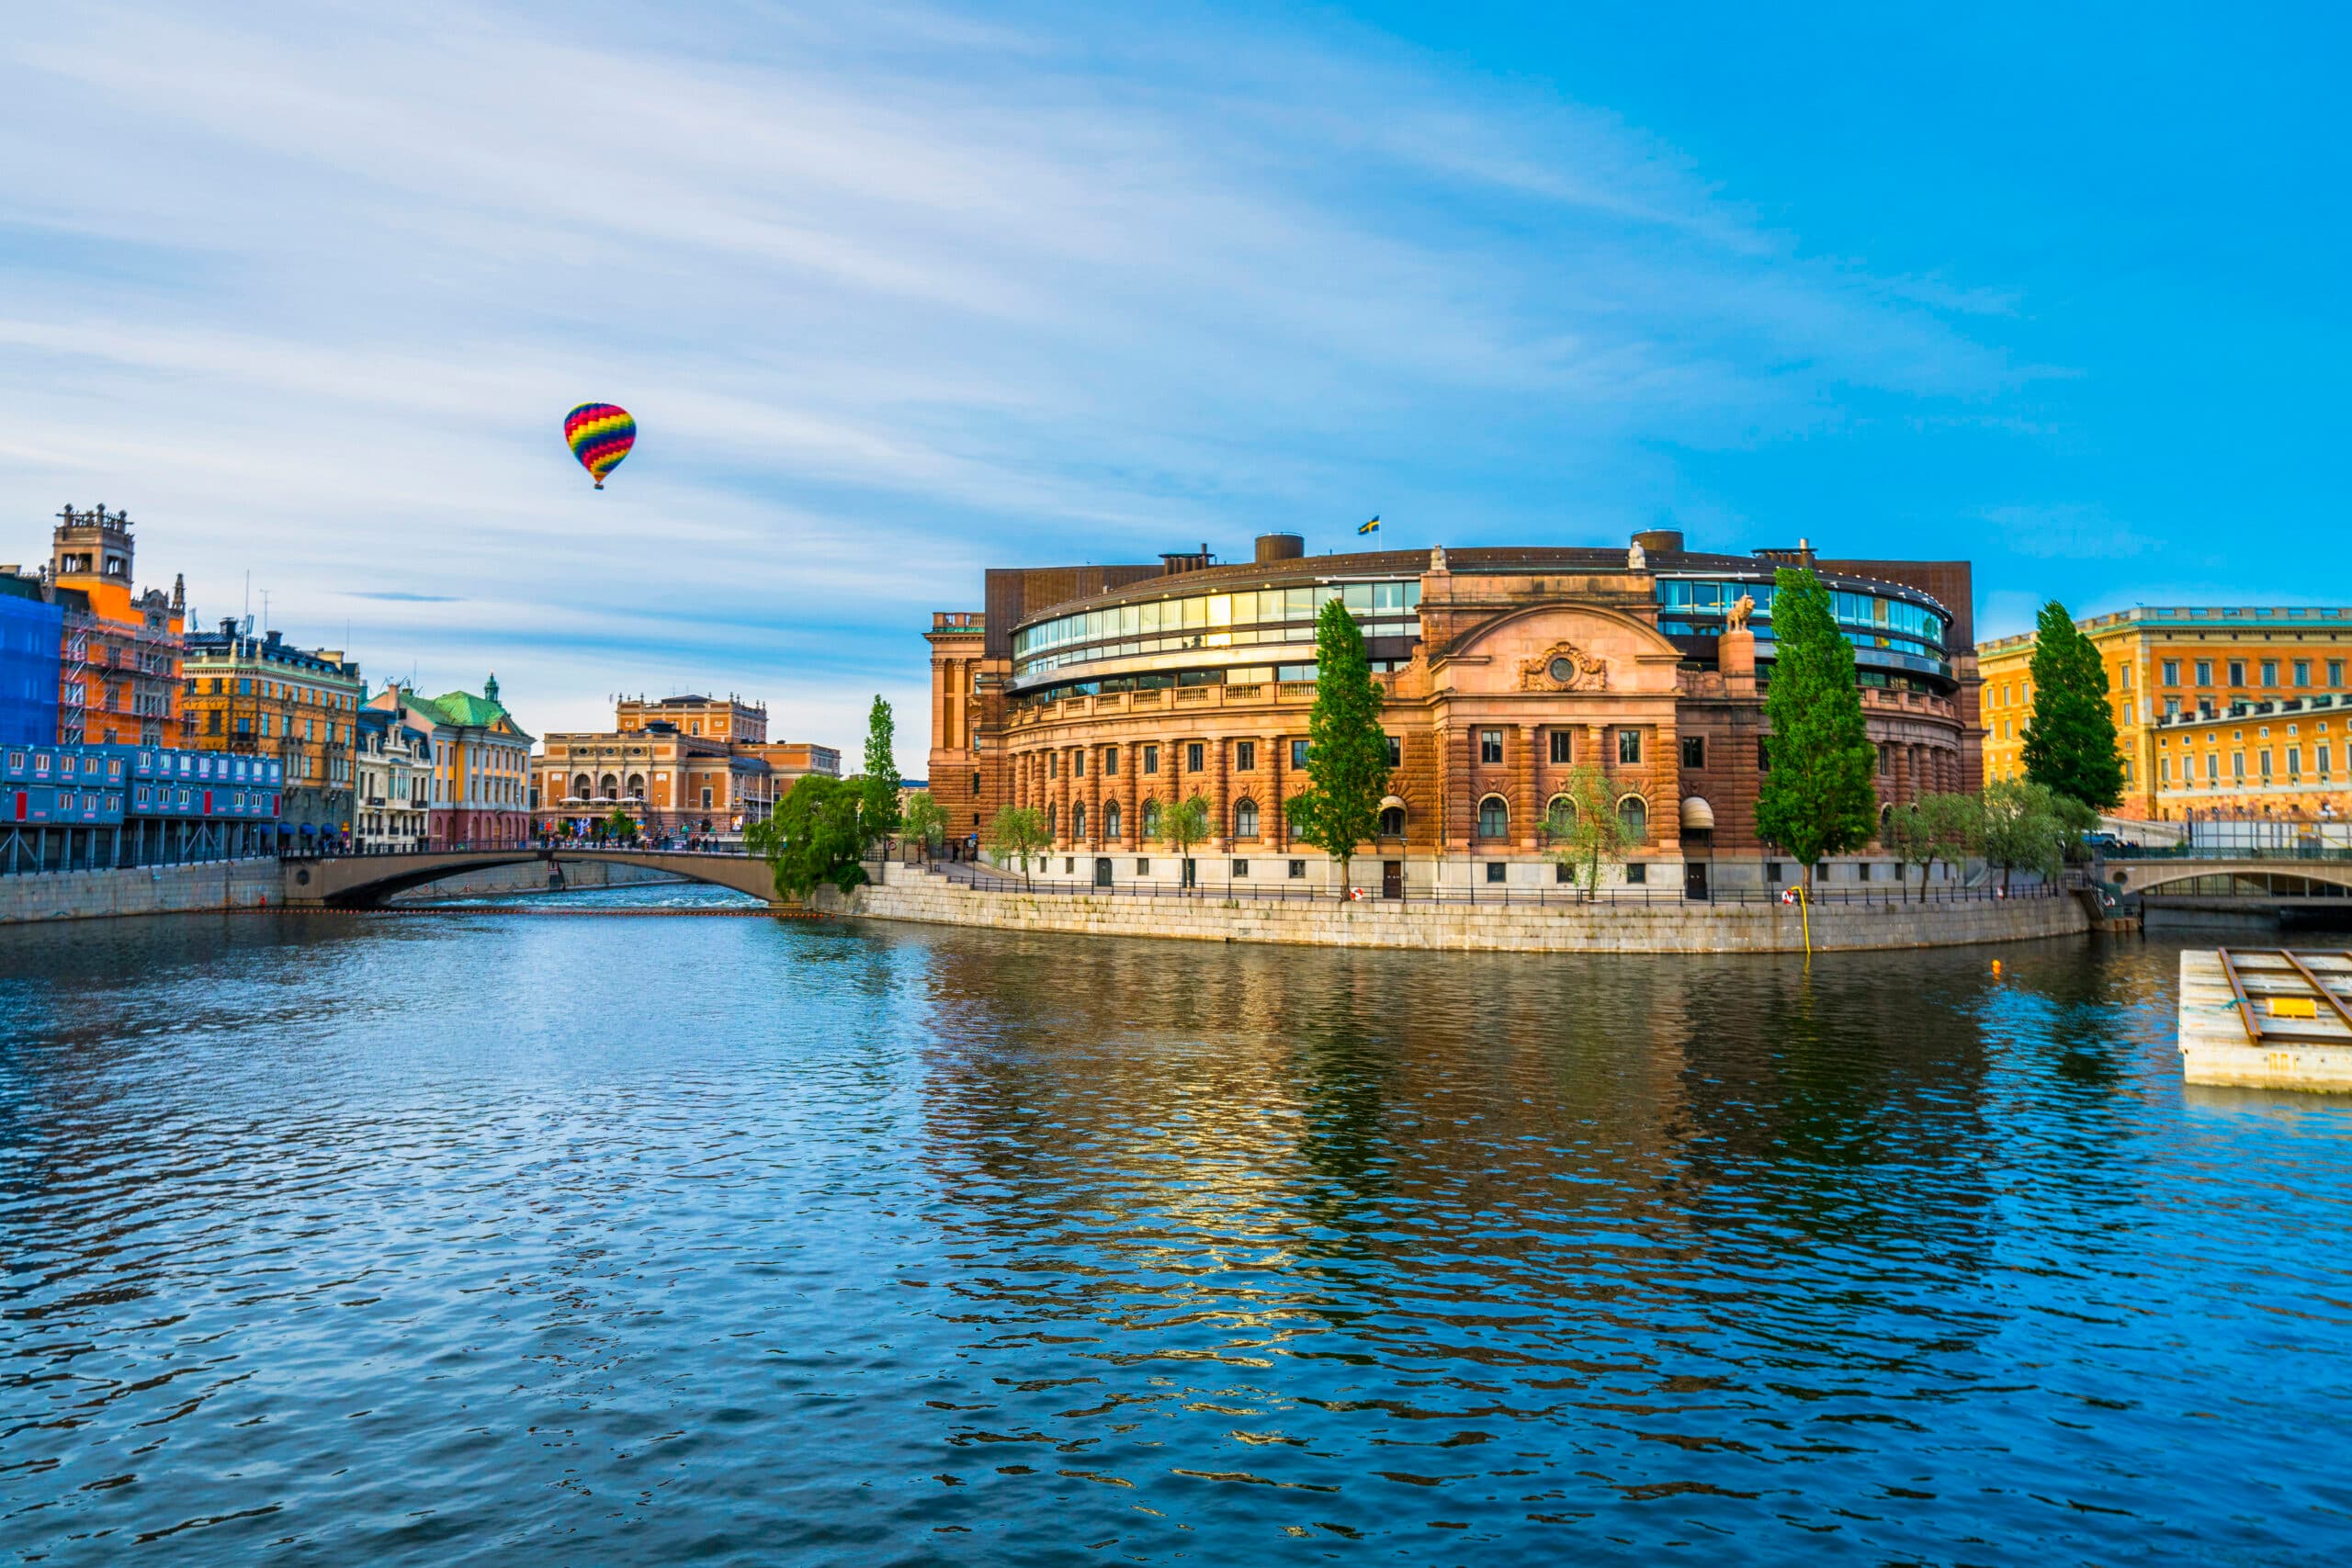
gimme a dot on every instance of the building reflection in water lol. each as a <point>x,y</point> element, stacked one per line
<point>1526,1184</point>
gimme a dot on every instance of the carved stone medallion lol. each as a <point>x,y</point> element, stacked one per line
<point>1564,667</point>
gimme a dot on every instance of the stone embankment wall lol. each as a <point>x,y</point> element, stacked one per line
<point>1490,928</point>
<point>141,890</point>
<point>531,876</point>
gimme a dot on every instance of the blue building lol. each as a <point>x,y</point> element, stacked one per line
<point>92,807</point>
<point>32,632</point>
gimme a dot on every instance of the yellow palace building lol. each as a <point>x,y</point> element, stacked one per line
<point>2169,670</point>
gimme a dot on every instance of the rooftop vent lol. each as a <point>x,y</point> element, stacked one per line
<point>1280,547</point>
<point>1653,541</point>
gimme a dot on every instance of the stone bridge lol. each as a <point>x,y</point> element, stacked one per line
<point>2250,879</point>
<point>358,881</point>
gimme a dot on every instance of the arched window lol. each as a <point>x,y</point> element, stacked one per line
<point>1151,819</point>
<point>608,787</point>
<point>1635,812</point>
<point>1111,820</point>
<point>1051,812</point>
<point>1077,820</point>
<point>1494,817</point>
<point>1559,816</point>
<point>1392,822</point>
<point>637,786</point>
<point>580,788</point>
<point>1245,819</point>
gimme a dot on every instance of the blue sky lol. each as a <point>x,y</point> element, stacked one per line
<point>899,291</point>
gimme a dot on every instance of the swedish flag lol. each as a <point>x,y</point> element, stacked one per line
<point>1371,527</point>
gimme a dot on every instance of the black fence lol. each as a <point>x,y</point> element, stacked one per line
<point>987,879</point>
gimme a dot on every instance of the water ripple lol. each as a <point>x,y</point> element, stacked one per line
<point>495,1239</point>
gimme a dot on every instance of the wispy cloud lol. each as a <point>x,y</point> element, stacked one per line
<point>894,292</point>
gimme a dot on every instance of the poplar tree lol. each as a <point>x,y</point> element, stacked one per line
<point>878,789</point>
<point>2070,740</point>
<point>1347,754</point>
<point>1818,799</point>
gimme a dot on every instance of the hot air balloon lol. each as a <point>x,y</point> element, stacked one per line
<point>600,436</point>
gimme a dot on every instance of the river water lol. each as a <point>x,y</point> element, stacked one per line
<point>487,1238</point>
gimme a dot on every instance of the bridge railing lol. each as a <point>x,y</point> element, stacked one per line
<point>2322,853</point>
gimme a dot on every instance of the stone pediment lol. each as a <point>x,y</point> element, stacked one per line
<point>1559,648</point>
<point>1564,667</point>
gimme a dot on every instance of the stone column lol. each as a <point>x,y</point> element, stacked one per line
<point>1273,822</point>
<point>1220,795</point>
<point>1461,787</point>
<point>1094,836</point>
<point>1522,787</point>
<point>1130,802</point>
<point>1666,788</point>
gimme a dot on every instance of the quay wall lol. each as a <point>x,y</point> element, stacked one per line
<point>138,890</point>
<point>1604,928</point>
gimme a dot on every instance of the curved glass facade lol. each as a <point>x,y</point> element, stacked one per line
<point>1184,622</point>
<point>1897,633</point>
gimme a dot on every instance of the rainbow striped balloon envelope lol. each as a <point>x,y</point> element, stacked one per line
<point>600,436</point>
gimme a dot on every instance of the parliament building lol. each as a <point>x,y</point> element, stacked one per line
<point>1101,694</point>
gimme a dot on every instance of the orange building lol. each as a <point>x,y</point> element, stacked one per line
<point>120,681</point>
<point>690,765</point>
<point>2288,758</point>
<point>2165,664</point>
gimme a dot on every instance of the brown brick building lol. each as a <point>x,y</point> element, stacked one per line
<point>1099,694</point>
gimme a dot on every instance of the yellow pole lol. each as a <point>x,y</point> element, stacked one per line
<point>1804,908</point>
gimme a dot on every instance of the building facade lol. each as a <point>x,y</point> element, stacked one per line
<point>2164,662</point>
<point>32,636</point>
<point>682,764</point>
<point>118,649</point>
<point>70,807</point>
<point>1101,695</point>
<point>2285,758</point>
<point>262,696</point>
<point>479,765</point>
<point>394,782</point>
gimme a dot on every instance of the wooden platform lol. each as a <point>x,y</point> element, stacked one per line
<point>2267,1018</point>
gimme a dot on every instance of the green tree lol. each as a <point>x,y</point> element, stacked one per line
<point>1347,754</point>
<point>1016,833</point>
<point>620,825</point>
<point>1185,825</point>
<point>812,836</point>
<point>2030,827</point>
<point>1818,799</point>
<point>2070,740</point>
<point>926,820</point>
<point>1958,821</point>
<point>1949,828</point>
<point>1585,828</point>
<point>1909,836</point>
<point>877,786</point>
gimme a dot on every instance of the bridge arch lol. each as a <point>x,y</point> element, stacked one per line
<point>2252,879</point>
<point>353,882</point>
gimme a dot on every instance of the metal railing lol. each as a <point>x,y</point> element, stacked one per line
<point>992,879</point>
<point>2186,851</point>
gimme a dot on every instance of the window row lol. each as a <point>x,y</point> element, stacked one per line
<point>2301,670</point>
<point>1204,611</point>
